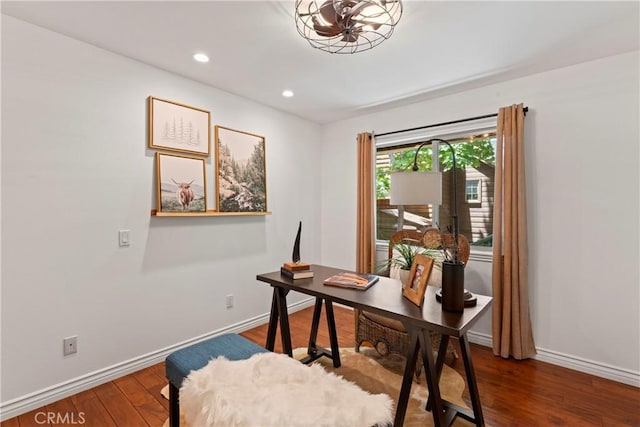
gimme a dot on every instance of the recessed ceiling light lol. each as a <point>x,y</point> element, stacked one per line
<point>287,93</point>
<point>201,57</point>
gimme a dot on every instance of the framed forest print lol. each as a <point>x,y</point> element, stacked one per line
<point>178,127</point>
<point>181,185</point>
<point>241,183</point>
<point>418,278</point>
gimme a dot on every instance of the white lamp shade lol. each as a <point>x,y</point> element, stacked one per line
<point>415,188</point>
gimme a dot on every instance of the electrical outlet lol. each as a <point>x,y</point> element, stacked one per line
<point>229,301</point>
<point>70,345</point>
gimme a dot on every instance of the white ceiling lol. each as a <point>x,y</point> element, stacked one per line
<point>256,51</point>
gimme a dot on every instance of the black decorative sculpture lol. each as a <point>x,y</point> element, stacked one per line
<point>296,246</point>
<point>296,269</point>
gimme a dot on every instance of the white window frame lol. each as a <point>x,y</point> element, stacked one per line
<point>478,198</point>
<point>447,132</point>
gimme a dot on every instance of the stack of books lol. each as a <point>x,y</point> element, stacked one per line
<point>352,280</point>
<point>300,270</point>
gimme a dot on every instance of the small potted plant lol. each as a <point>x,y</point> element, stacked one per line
<point>398,266</point>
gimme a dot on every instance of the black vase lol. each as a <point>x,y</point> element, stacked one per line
<point>453,286</point>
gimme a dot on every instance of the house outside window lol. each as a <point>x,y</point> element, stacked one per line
<point>475,161</point>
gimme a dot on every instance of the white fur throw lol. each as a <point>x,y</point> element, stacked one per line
<point>272,389</point>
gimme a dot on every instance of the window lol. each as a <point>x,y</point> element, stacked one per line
<point>475,167</point>
<point>472,191</point>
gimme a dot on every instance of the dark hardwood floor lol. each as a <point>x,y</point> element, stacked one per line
<point>525,393</point>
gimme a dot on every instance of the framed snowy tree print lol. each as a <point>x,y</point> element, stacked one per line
<point>241,180</point>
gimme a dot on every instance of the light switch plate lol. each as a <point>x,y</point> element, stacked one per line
<point>124,237</point>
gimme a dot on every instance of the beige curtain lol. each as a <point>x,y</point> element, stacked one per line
<point>511,329</point>
<point>365,243</point>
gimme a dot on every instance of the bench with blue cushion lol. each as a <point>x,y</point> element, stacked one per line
<point>181,362</point>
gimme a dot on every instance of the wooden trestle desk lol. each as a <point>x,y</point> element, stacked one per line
<point>385,298</point>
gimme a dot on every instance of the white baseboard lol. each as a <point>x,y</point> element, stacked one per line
<point>598,369</point>
<point>38,399</point>
<point>480,339</point>
<point>571,362</point>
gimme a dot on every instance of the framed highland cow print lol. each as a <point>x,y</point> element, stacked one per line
<point>178,127</point>
<point>241,180</point>
<point>181,185</point>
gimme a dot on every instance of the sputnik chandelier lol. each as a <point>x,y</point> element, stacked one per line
<point>347,26</point>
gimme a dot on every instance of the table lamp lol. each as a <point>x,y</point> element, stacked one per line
<point>418,188</point>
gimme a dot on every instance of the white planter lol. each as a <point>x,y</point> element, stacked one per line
<point>402,275</point>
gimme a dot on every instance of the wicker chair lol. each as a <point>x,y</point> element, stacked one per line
<point>388,336</point>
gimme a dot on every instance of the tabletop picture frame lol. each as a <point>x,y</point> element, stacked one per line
<point>418,277</point>
<point>178,127</point>
<point>241,179</point>
<point>180,183</point>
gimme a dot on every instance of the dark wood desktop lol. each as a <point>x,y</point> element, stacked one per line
<point>385,298</point>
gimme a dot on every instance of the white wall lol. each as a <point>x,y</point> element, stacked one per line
<point>581,136</point>
<point>75,170</point>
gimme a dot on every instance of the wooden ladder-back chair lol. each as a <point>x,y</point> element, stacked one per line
<point>388,336</point>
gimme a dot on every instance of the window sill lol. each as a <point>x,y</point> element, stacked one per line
<point>481,255</point>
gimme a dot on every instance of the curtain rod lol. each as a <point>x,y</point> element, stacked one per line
<point>525,109</point>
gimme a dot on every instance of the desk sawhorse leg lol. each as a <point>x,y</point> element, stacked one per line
<point>419,338</point>
<point>444,412</point>
<point>476,416</point>
<point>313,350</point>
<point>279,312</point>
